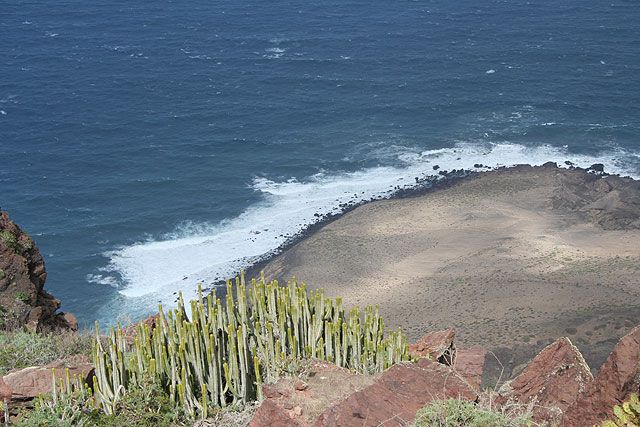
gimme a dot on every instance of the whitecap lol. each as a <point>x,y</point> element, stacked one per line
<point>490,71</point>
<point>209,252</point>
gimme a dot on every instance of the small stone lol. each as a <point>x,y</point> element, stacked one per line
<point>300,385</point>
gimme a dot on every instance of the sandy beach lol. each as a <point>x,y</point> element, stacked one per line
<point>513,259</point>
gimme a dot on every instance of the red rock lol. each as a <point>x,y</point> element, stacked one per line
<point>5,391</point>
<point>396,397</point>
<point>552,382</point>
<point>27,383</point>
<point>469,364</point>
<point>618,377</point>
<point>131,331</point>
<point>300,386</point>
<point>269,414</point>
<point>438,345</point>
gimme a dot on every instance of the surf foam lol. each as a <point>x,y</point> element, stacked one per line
<point>204,253</point>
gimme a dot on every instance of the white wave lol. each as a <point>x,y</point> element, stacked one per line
<point>490,71</point>
<point>205,253</point>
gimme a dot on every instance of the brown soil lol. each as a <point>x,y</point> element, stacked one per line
<point>513,259</point>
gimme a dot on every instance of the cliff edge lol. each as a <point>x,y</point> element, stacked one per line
<point>23,300</point>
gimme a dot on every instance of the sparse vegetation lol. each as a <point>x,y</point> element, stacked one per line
<point>8,238</point>
<point>19,349</point>
<point>21,296</point>
<point>461,413</point>
<point>627,414</point>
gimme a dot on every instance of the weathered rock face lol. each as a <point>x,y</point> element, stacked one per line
<point>618,377</point>
<point>438,345</point>
<point>294,402</point>
<point>612,202</point>
<point>27,383</point>
<point>469,364</point>
<point>23,300</point>
<point>5,391</point>
<point>394,399</point>
<point>551,382</point>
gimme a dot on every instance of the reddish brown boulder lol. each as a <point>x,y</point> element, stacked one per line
<point>552,382</point>
<point>27,383</point>
<point>469,364</point>
<point>396,397</point>
<point>438,345</point>
<point>618,377</point>
<point>132,330</point>
<point>5,392</point>
<point>22,276</point>
<point>71,320</point>
<point>270,414</point>
<point>324,386</point>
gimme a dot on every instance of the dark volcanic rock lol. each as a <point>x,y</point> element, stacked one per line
<point>23,300</point>
<point>611,202</point>
<point>396,397</point>
<point>551,382</point>
<point>616,380</point>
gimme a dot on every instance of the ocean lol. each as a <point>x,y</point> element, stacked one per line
<point>151,146</point>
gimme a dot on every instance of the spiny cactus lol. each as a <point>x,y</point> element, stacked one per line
<point>221,354</point>
<point>627,414</point>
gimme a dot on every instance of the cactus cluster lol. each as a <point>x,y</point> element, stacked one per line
<point>222,353</point>
<point>627,414</point>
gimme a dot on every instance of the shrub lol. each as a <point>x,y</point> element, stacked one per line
<point>461,413</point>
<point>627,415</point>
<point>146,405</point>
<point>22,296</point>
<point>8,238</point>
<point>22,349</point>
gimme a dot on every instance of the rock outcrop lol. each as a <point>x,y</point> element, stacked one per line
<point>23,300</point>
<point>616,380</point>
<point>551,383</point>
<point>469,364</point>
<point>437,345</point>
<point>612,202</point>
<point>27,383</point>
<point>396,397</point>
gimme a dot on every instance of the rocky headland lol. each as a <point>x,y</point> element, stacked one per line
<point>512,258</point>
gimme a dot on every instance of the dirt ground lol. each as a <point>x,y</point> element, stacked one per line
<point>513,259</point>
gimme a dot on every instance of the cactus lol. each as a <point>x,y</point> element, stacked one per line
<point>222,354</point>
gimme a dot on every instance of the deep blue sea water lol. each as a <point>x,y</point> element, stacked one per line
<point>149,146</point>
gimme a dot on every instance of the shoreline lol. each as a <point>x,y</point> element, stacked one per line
<point>428,183</point>
<point>378,252</point>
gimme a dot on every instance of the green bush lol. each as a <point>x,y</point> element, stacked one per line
<point>146,405</point>
<point>627,415</point>
<point>21,349</point>
<point>8,239</point>
<point>22,296</point>
<point>460,413</point>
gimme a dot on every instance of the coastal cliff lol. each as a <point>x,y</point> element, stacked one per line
<point>23,299</point>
